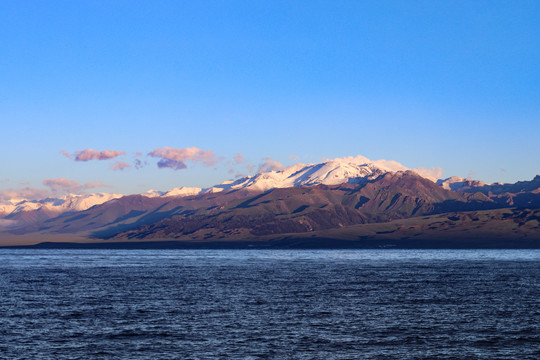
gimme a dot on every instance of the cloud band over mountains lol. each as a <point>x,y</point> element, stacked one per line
<point>55,187</point>
<point>270,165</point>
<point>66,185</point>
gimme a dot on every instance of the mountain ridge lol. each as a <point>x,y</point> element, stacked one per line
<point>331,197</point>
<point>330,172</point>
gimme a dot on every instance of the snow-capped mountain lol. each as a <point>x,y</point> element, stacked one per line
<point>331,172</point>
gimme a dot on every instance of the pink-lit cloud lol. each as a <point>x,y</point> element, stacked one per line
<point>56,186</point>
<point>176,158</point>
<point>435,173</point>
<point>66,154</point>
<point>294,158</point>
<point>250,168</point>
<point>270,165</point>
<point>239,158</point>
<point>62,184</point>
<point>120,165</point>
<point>24,193</point>
<point>95,184</point>
<point>90,154</point>
<point>70,186</point>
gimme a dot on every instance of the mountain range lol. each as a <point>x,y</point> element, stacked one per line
<point>351,202</point>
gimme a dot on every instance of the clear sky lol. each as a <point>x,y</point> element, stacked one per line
<point>450,84</point>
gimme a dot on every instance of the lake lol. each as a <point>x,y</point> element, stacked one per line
<point>264,304</point>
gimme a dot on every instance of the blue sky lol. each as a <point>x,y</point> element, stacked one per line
<point>443,84</point>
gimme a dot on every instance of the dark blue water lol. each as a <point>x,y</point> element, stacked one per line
<point>197,304</point>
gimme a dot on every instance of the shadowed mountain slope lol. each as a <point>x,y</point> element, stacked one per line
<point>306,209</point>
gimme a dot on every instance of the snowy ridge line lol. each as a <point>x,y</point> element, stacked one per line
<point>331,172</point>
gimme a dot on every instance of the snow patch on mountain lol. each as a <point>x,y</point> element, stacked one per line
<point>456,183</point>
<point>153,193</point>
<point>183,191</point>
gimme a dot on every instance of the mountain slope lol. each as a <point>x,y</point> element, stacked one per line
<point>297,210</point>
<point>128,212</point>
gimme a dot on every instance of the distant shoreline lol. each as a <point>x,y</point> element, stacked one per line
<point>297,243</point>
